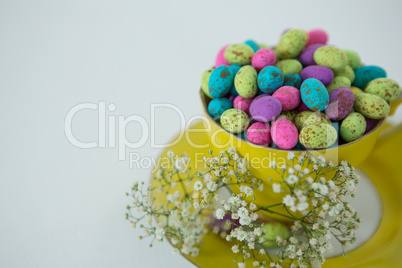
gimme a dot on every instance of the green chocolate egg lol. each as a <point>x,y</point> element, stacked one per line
<point>353,127</point>
<point>385,88</point>
<point>316,118</point>
<point>339,81</point>
<point>240,54</point>
<point>205,80</point>
<point>289,66</point>
<point>353,58</point>
<point>301,118</point>
<point>291,44</point>
<point>318,136</point>
<point>348,73</point>
<point>234,120</point>
<point>331,57</point>
<point>246,82</point>
<point>371,106</point>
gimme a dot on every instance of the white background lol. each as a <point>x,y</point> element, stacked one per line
<point>61,206</point>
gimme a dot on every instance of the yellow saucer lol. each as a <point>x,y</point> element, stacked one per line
<point>383,249</point>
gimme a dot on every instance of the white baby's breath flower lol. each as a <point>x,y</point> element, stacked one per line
<point>292,179</point>
<point>252,206</point>
<point>219,214</point>
<point>235,249</point>
<point>241,265</point>
<point>272,164</point>
<point>245,221</point>
<point>309,180</point>
<point>276,187</point>
<point>198,185</point>
<point>159,233</point>
<point>302,206</point>
<point>289,200</point>
<point>291,156</point>
<point>212,186</point>
<point>243,212</point>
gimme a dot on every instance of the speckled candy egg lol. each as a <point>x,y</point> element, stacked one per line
<point>292,80</point>
<point>314,94</point>
<point>353,58</point>
<point>252,44</point>
<point>291,44</point>
<point>385,88</point>
<point>265,108</point>
<point>262,58</point>
<point>240,54</point>
<point>318,136</point>
<point>242,103</point>
<point>317,36</point>
<point>316,118</point>
<point>290,115</point>
<point>289,66</point>
<point>353,127</point>
<point>246,81</point>
<point>347,72</point>
<point>365,74</point>
<point>339,81</point>
<point>234,120</point>
<point>258,133</point>
<point>301,118</point>
<point>341,102</point>
<point>288,96</point>
<point>217,106</point>
<point>331,57</point>
<point>220,81</point>
<point>205,80</point>
<point>371,106</point>
<point>322,73</point>
<point>307,55</point>
<point>234,69</point>
<point>284,133</point>
<point>270,79</point>
<point>220,58</point>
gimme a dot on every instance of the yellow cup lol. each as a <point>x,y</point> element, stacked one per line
<point>259,157</point>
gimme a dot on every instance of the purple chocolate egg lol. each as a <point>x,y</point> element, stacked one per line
<point>370,124</point>
<point>265,108</point>
<point>307,55</point>
<point>340,104</point>
<point>322,73</point>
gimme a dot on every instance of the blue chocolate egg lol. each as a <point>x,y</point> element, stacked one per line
<point>270,79</point>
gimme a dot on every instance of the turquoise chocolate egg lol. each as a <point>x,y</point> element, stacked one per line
<point>217,106</point>
<point>314,94</point>
<point>365,74</point>
<point>270,79</point>
<point>292,80</point>
<point>220,81</point>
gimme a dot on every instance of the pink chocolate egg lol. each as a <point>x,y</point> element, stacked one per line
<point>288,96</point>
<point>262,58</point>
<point>284,133</point>
<point>317,36</point>
<point>220,59</point>
<point>258,133</point>
<point>242,103</point>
